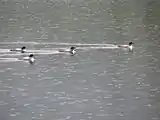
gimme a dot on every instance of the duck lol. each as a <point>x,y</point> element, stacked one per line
<point>22,49</point>
<point>71,50</point>
<point>129,46</point>
<point>30,59</point>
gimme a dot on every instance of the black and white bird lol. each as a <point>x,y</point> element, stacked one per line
<point>22,49</point>
<point>129,46</point>
<point>30,59</point>
<point>71,50</point>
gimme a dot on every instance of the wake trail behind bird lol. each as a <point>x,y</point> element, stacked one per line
<point>7,52</point>
<point>56,43</point>
<point>42,52</point>
<point>9,59</point>
<point>47,51</point>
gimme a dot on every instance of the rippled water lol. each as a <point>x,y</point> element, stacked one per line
<point>100,82</point>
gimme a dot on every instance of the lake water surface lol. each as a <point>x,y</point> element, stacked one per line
<point>100,82</point>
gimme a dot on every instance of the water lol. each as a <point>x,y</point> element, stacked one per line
<point>100,82</point>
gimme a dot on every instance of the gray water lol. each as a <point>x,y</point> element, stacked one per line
<point>97,83</point>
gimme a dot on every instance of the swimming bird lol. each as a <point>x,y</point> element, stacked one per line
<point>22,49</point>
<point>129,46</point>
<point>71,50</point>
<point>30,58</point>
